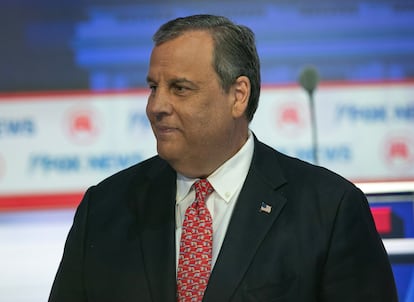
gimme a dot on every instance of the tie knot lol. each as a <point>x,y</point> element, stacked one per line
<point>203,188</point>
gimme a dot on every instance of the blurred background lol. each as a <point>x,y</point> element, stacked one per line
<point>73,96</point>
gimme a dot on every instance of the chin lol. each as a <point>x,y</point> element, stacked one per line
<point>167,153</point>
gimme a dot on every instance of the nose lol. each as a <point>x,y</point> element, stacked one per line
<point>158,104</point>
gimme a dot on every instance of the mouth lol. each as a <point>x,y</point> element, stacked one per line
<point>164,130</point>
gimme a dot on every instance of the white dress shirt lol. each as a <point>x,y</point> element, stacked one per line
<point>227,182</point>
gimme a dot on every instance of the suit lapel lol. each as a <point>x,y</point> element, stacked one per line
<point>156,213</point>
<point>248,225</point>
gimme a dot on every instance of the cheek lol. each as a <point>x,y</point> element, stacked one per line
<point>205,116</point>
<point>210,128</point>
<point>203,121</point>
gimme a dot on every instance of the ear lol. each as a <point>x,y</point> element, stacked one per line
<point>241,93</point>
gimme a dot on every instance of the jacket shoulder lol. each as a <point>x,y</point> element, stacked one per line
<point>297,171</point>
<point>137,173</point>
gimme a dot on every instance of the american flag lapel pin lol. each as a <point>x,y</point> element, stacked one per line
<point>264,207</point>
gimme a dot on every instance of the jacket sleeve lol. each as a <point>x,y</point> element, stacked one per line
<point>69,284</point>
<point>357,266</point>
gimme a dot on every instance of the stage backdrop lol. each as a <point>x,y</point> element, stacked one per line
<point>63,143</point>
<point>56,141</point>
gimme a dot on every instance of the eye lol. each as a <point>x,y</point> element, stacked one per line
<point>180,89</point>
<point>152,87</point>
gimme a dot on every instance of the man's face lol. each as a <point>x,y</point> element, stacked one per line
<point>190,114</point>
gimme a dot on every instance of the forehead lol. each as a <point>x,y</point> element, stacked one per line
<point>191,52</point>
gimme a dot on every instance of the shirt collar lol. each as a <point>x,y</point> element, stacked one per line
<point>228,178</point>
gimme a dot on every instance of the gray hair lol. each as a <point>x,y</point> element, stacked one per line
<point>234,53</point>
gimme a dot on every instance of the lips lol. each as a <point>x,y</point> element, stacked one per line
<point>164,130</point>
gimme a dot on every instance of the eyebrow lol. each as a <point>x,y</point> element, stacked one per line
<point>174,81</point>
<point>181,81</point>
<point>149,79</point>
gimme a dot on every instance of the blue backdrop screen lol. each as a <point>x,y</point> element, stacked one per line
<point>100,44</point>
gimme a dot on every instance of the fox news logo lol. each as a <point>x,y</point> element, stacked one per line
<point>21,127</point>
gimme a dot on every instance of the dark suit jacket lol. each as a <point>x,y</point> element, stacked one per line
<point>318,243</point>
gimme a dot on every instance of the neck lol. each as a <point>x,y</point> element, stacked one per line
<point>205,165</point>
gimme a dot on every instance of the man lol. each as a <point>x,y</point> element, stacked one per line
<point>282,229</point>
